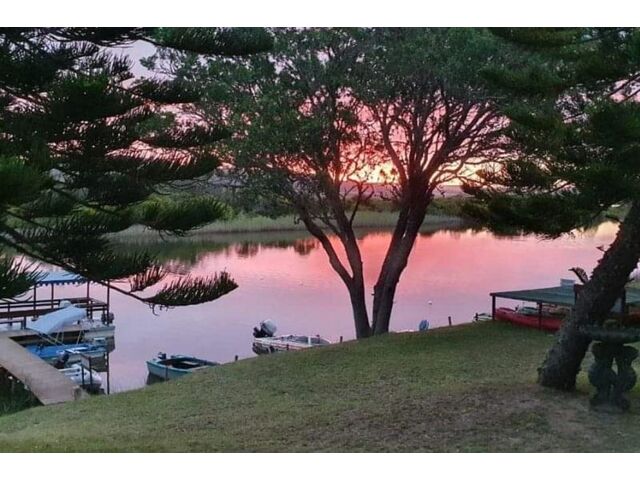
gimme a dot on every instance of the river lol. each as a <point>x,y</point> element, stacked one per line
<point>286,277</point>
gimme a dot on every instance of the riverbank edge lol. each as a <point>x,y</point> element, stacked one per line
<point>260,224</point>
<point>463,388</point>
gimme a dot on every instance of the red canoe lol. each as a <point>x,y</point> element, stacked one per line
<point>550,324</point>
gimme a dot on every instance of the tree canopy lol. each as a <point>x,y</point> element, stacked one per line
<point>328,112</point>
<point>87,150</point>
<point>571,101</point>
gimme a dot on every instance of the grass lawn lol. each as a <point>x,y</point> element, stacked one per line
<point>468,388</point>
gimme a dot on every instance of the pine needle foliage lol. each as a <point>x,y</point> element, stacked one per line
<point>87,150</point>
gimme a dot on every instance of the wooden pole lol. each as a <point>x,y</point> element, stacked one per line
<point>540,316</point>
<point>449,320</point>
<point>108,298</point>
<point>108,372</point>
<point>493,307</point>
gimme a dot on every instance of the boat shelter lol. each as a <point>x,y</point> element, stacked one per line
<point>563,295</point>
<point>19,311</point>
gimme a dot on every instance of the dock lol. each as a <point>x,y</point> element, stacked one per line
<point>47,384</point>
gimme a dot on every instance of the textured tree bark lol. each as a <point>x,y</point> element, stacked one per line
<point>359,307</point>
<point>562,363</point>
<point>354,279</point>
<point>396,259</point>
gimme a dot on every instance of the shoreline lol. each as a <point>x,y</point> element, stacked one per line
<point>286,224</point>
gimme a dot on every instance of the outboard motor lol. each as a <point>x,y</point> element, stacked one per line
<point>423,326</point>
<point>61,360</point>
<point>266,328</point>
<point>107,318</point>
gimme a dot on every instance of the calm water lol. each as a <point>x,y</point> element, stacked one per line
<point>287,278</point>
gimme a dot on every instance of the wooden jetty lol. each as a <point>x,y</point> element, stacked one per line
<point>50,386</point>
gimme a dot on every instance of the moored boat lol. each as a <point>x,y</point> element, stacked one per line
<point>175,366</point>
<point>529,318</point>
<point>266,342</point>
<point>86,378</point>
<point>69,353</point>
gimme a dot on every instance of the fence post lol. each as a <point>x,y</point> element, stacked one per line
<point>449,320</point>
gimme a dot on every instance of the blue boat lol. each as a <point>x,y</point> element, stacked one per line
<point>176,366</point>
<point>70,353</point>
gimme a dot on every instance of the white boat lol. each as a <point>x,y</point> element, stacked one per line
<point>82,376</point>
<point>266,342</point>
<point>483,317</point>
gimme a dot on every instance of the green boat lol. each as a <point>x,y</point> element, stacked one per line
<point>175,366</point>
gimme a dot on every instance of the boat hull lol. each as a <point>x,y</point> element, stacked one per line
<point>547,323</point>
<point>286,343</point>
<point>163,371</point>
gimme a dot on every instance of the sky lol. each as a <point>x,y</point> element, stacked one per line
<point>136,51</point>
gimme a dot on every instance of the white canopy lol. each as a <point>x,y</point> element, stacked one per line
<point>55,321</point>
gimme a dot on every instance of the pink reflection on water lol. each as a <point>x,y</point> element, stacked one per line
<point>455,271</point>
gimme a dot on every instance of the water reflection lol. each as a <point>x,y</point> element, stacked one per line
<point>286,277</point>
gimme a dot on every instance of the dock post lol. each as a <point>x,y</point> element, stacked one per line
<point>540,316</point>
<point>90,376</point>
<point>108,298</point>
<point>493,307</point>
<point>108,373</point>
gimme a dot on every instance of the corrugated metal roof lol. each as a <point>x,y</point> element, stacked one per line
<point>59,278</point>
<point>561,295</point>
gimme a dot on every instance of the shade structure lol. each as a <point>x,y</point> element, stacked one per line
<point>561,295</point>
<point>59,278</point>
<point>56,321</point>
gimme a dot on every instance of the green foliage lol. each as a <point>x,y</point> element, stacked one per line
<point>216,41</point>
<point>85,149</point>
<point>574,125</point>
<point>15,278</point>
<point>20,182</point>
<point>199,290</point>
<point>180,214</point>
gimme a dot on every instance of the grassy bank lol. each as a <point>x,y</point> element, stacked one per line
<point>465,388</point>
<point>443,214</point>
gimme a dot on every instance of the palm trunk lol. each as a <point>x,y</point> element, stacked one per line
<point>595,301</point>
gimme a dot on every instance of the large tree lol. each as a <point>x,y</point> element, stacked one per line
<point>87,150</point>
<point>572,104</point>
<point>328,109</point>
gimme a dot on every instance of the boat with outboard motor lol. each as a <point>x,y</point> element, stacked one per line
<point>69,353</point>
<point>265,340</point>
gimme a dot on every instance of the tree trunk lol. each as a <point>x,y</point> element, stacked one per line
<point>359,308</point>
<point>594,303</point>
<point>354,280</point>
<point>396,259</point>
